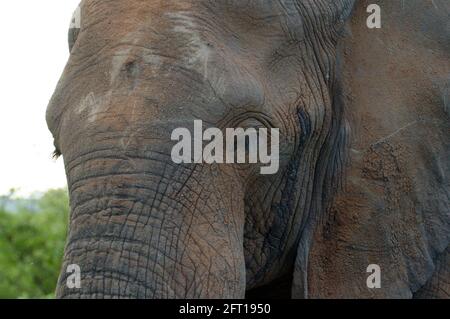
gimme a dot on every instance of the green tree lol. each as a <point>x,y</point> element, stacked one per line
<point>32,245</point>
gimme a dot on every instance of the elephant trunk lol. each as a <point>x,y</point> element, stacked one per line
<point>143,227</point>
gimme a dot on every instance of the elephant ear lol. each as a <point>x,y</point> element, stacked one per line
<point>394,208</point>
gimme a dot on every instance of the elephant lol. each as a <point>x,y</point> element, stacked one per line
<point>364,171</point>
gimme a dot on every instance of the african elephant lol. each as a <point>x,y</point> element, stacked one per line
<point>364,170</point>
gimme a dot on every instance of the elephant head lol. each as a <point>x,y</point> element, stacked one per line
<point>145,226</point>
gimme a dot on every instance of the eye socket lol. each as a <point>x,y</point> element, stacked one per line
<point>74,28</point>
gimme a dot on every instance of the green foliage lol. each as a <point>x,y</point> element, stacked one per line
<point>32,245</point>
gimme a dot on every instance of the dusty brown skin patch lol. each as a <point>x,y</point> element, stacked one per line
<point>143,227</point>
<point>394,210</point>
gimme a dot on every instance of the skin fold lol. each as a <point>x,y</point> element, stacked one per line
<point>364,147</point>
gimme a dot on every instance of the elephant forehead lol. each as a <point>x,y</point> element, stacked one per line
<point>119,16</point>
<point>198,49</point>
<point>93,104</point>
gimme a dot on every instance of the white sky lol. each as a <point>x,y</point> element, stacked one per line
<point>34,51</point>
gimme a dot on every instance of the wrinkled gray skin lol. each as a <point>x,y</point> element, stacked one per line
<point>144,227</point>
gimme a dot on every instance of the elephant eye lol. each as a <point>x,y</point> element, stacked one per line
<point>56,153</point>
<point>74,28</point>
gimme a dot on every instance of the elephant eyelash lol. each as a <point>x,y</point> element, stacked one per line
<point>56,154</point>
